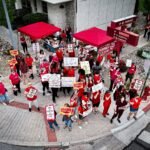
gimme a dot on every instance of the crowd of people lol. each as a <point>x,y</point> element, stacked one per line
<point>82,99</point>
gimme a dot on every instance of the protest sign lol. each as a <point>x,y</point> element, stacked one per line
<point>77,85</point>
<point>137,84</point>
<point>31,93</point>
<point>54,80</point>
<point>97,87</point>
<point>66,111</point>
<point>12,62</point>
<point>36,47</point>
<point>45,77</point>
<point>67,81</point>
<point>70,61</point>
<point>70,47</point>
<point>86,66</point>
<point>128,62</point>
<point>13,52</point>
<point>90,108</point>
<point>50,113</point>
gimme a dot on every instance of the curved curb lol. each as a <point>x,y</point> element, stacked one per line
<point>55,144</point>
<point>124,126</point>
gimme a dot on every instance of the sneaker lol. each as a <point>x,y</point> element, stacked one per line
<point>111,121</point>
<point>119,120</point>
<point>38,109</point>
<point>65,126</point>
<point>80,127</point>
<point>29,109</point>
<point>52,129</point>
<point>69,128</point>
<point>135,118</point>
<point>43,93</point>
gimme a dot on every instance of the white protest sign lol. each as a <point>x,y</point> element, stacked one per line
<point>97,87</point>
<point>70,47</point>
<point>45,77</point>
<point>36,47</point>
<point>128,62</point>
<point>90,108</point>
<point>138,84</point>
<point>50,114</point>
<point>54,80</point>
<point>70,61</point>
<point>67,81</point>
<point>32,92</point>
<point>86,66</point>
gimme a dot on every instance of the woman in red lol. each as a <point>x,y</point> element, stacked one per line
<point>31,95</point>
<point>45,64</point>
<point>96,100</point>
<point>15,81</point>
<point>60,54</point>
<point>29,62</point>
<point>106,103</point>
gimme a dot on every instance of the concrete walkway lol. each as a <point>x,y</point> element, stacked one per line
<point>20,127</point>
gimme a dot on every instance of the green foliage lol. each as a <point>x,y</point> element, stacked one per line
<point>34,17</point>
<point>144,5</point>
<point>144,54</point>
<point>11,11</point>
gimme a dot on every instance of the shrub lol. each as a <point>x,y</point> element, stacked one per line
<point>144,54</point>
<point>32,18</point>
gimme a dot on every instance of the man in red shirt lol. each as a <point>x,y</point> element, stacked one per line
<point>134,106</point>
<point>130,73</point>
<point>29,62</point>
<point>31,95</point>
<point>45,64</point>
<point>15,81</point>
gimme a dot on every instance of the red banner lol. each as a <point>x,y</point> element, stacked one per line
<point>66,111</point>
<point>13,52</point>
<point>78,85</point>
<point>12,62</point>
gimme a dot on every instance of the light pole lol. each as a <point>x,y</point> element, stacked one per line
<point>145,81</point>
<point>8,23</point>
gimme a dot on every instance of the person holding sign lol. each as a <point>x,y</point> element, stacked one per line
<point>31,95</point>
<point>131,72</point>
<point>51,117</point>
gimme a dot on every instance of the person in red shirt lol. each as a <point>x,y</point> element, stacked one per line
<point>45,64</point>
<point>15,80</point>
<point>29,62</point>
<point>130,73</point>
<point>97,78</point>
<point>106,103</point>
<point>31,95</point>
<point>60,54</point>
<point>71,72</point>
<point>99,58</point>
<point>96,100</point>
<point>134,106</point>
<point>44,82</point>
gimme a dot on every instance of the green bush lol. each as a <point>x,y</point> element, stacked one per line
<point>143,54</point>
<point>34,17</point>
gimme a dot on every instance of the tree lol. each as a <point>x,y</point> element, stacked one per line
<point>146,5</point>
<point>11,11</point>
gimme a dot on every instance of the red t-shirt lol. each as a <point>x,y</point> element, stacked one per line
<point>71,72</point>
<point>107,99</point>
<point>80,110</point>
<point>65,72</point>
<point>97,99</point>
<point>99,58</point>
<point>2,88</point>
<point>132,69</point>
<point>59,54</point>
<point>29,61</point>
<point>135,102</point>
<point>45,65</point>
<point>97,78</point>
<point>34,97</point>
<point>14,77</point>
<point>84,100</point>
<point>71,54</point>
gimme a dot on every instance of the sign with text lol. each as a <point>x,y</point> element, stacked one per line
<point>137,84</point>
<point>77,85</point>
<point>67,81</point>
<point>66,111</point>
<point>128,62</point>
<point>31,93</point>
<point>12,62</point>
<point>45,77</point>
<point>97,87</point>
<point>36,47</point>
<point>54,80</point>
<point>71,61</point>
<point>50,113</point>
<point>13,52</point>
<point>86,66</point>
